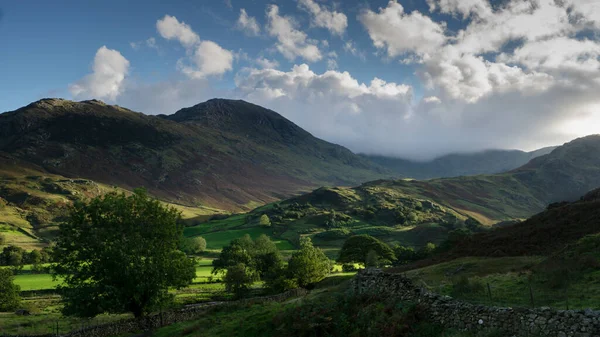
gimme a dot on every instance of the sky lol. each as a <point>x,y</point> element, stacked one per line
<point>408,78</point>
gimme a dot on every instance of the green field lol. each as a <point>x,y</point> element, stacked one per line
<point>218,240</point>
<point>35,281</point>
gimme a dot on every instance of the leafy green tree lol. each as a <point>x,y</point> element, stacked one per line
<point>239,279</point>
<point>12,256</point>
<point>119,254</point>
<point>34,257</point>
<point>356,248</point>
<point>427,250</point>
<point>264,220</point>
<point>194,245</point>
<point>2,239</point>
<point>9,292</point>
<point>404,255</point>
<point>309,265</point>
<point>261,260</point>
<point>238,251</point>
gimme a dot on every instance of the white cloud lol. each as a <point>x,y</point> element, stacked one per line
<point>150,43</point>
<point>292,43</point>
<point>321,16</point>
<point>171,29</point>
<point>332,64</point>
<point>209,59</point>
<point>561,55</point>
<point>350,47</point>
<point>106,80</point>
<point>266,63</point>
<point>399,32</point>
<point>480,8</point>
<point>247,24</point>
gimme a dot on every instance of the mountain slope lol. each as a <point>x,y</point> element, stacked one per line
<point>542,234</point>
<point>221,153</point>
<point>453,165</point>
<point>413,212</point>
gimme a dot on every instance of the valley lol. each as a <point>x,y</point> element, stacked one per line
<point>236,171</point>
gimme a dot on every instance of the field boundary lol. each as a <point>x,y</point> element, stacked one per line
<point>159,320</point>
<point>456,314</point>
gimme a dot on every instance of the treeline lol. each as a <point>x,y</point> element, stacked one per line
<point>246,261</point>
<point>18,257</point>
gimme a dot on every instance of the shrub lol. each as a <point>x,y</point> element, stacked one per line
<point>464,285</point>
<point>356,248</point>
<point>354,315</point>
<point>264,221</point>
<point>193,245</point>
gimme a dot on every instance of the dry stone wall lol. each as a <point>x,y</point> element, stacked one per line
<point>451,313</point>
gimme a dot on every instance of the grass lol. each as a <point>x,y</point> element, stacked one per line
<point>218,240</point>
<point>509,280</point>
<point>35,281</point>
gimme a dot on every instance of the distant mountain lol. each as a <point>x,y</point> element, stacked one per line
<point>414,212</point>
<point>565,173</point>
<point>222,153</point>
<point>463,164</point>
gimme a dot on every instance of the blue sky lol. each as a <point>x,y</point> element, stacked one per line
<point>53,45</point>
<point>412,78</point>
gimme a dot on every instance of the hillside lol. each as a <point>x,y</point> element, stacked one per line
<point>542,234</point>
<point>222,153</point>
<point>412,212</point>
<point>459,164</point>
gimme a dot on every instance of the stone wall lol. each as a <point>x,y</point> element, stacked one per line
<point>452,313</point>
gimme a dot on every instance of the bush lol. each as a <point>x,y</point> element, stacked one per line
<point>354,315</point>
<point>464,285</point>
<point>194,245</point>
<point>2,239</point>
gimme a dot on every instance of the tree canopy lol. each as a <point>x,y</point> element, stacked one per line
<point>9,292</point>
<point>119,254</point>
<point>194,245</point>
<point>308,265</point>
<point>356,248</point>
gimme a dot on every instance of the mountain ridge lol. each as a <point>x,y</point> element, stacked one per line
<point>179,157</point>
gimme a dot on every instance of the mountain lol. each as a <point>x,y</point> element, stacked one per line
<point>222,153</point>
<point>460,164</point>
<point>414,212</point>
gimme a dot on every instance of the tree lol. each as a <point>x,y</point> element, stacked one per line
<point>194,245</point>
<point>119,254</point>
<point>2,239</point>
<point>356,248</point>
<point>308,265</point>
<point>260,258</point>
<point>12,256</point>
<point>9,292</point>
<point>238,251</point>
<point>404,255</point>
<point>264,220</point>
<point>426,251</point>
<point>239,279</point>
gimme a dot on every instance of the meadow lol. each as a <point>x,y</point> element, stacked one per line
<point>507,282</point>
